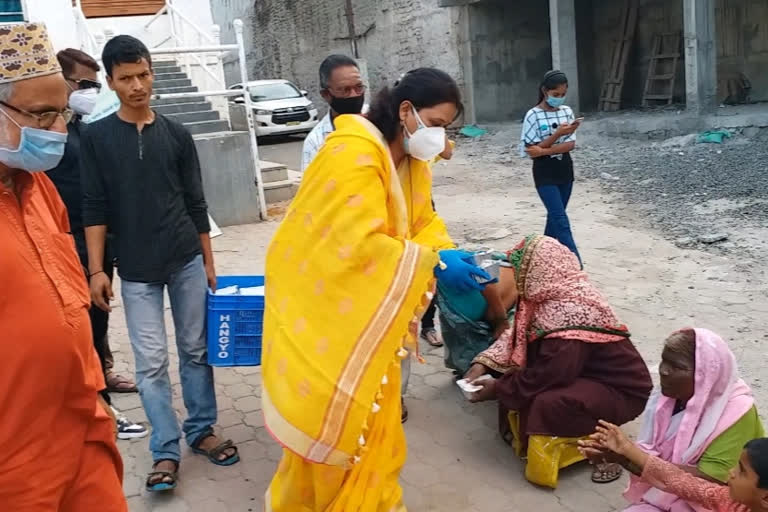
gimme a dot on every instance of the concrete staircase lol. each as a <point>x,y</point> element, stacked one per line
<point>207,127</point>
<point>195,113</point>
<point>280,183</point>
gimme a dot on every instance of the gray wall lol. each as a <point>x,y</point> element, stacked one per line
<point>655,16</point>
<point>742,42</point>
<point>224,13</point>
<point>289,38</point>
<point>589,84</point>
<point>510,53</point>
<point>228,177</point>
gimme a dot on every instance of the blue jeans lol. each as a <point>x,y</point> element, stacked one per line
<point>555,199</point>
<point>144,314</point>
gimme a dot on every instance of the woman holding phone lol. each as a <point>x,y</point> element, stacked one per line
<point>548,138</point>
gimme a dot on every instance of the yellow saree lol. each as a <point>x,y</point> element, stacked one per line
<point>349,273</point>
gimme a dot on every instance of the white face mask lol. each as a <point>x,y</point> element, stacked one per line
<point>83,101</point>
<point>426,142</point>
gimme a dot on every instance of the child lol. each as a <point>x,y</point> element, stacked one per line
<point>747,489</point>
<point>548,138</point>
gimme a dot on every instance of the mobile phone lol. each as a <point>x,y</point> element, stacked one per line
<point>578,120</point>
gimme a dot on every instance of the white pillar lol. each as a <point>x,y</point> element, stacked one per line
<point>562,22</point>
<point>216,63</point>
<point>700,54</point>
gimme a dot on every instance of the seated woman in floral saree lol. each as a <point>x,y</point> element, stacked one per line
<point>566,363</point>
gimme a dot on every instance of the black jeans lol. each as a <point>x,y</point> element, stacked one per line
<point>99,328</point>
<point>428,320</point>
<point>99,318</point>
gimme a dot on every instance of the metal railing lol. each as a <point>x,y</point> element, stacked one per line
<point>218,50</point>
<point>178,24</point>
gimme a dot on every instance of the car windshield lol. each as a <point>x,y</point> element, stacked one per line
<point>277,91</point>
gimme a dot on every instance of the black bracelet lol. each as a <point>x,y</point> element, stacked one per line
<point>96,273</point>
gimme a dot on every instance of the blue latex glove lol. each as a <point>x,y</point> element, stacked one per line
<point>459,271</point>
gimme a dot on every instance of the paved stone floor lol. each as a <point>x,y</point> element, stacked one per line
<point>456,461</point>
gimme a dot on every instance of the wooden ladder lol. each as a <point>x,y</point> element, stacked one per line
<point>610,96</point>
<point>662,70</point>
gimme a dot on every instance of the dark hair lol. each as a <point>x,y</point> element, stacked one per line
<point>757,451</point>
<point>683,342</point>
<point>424,87</point>
<point>552,80</point>
<point>124,50</point>
<point>331,64</point>
<point>70,57</point>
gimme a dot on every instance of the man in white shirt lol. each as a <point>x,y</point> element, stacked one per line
<point>341,86</point>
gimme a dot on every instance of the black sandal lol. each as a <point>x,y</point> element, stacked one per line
<point>403,411</point>
<point>213,454</point>
<point>161,484</point>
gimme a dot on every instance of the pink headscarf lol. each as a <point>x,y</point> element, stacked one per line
<point>556,300</point>
<point>720,399</point>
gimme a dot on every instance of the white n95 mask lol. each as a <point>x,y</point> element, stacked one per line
<point>426,142</point>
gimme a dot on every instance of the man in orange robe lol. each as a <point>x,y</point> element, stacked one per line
<point>58,441</point>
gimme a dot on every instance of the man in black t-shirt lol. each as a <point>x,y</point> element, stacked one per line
<point>142,182</point>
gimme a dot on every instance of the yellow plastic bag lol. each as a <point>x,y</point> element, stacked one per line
<point>547,455</point>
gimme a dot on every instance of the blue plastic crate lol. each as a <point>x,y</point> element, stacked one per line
<point>235,324</point>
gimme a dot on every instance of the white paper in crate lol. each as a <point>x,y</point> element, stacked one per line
<point>228,290</point>
<point>257,291</point>
<point>253,290</point>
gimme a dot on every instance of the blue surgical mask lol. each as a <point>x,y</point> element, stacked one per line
<point>38,151</point>
<point>555,102</point>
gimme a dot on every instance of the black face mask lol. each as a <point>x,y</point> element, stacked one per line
<point>353,105</point>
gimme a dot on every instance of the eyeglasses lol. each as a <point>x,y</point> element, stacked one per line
<point>348,92</point>
<point>86,83</point>
<point>45,119</point>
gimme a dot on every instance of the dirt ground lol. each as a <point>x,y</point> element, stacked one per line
<point>457,462</point>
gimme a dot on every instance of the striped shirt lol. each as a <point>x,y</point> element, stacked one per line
<point>540,124</point>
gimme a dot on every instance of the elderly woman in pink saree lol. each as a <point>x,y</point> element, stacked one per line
<point>700,418</point>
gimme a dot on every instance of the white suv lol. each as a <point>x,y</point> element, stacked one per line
<point>280,108</point>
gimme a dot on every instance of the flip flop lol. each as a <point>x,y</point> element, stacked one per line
<point>160,485</point>
<point>214,453</point>
<point>606,473</point>
<point>431,337</point>
<point>118,384</point>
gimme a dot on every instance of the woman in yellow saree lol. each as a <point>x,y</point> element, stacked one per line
<point>349,273</point>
